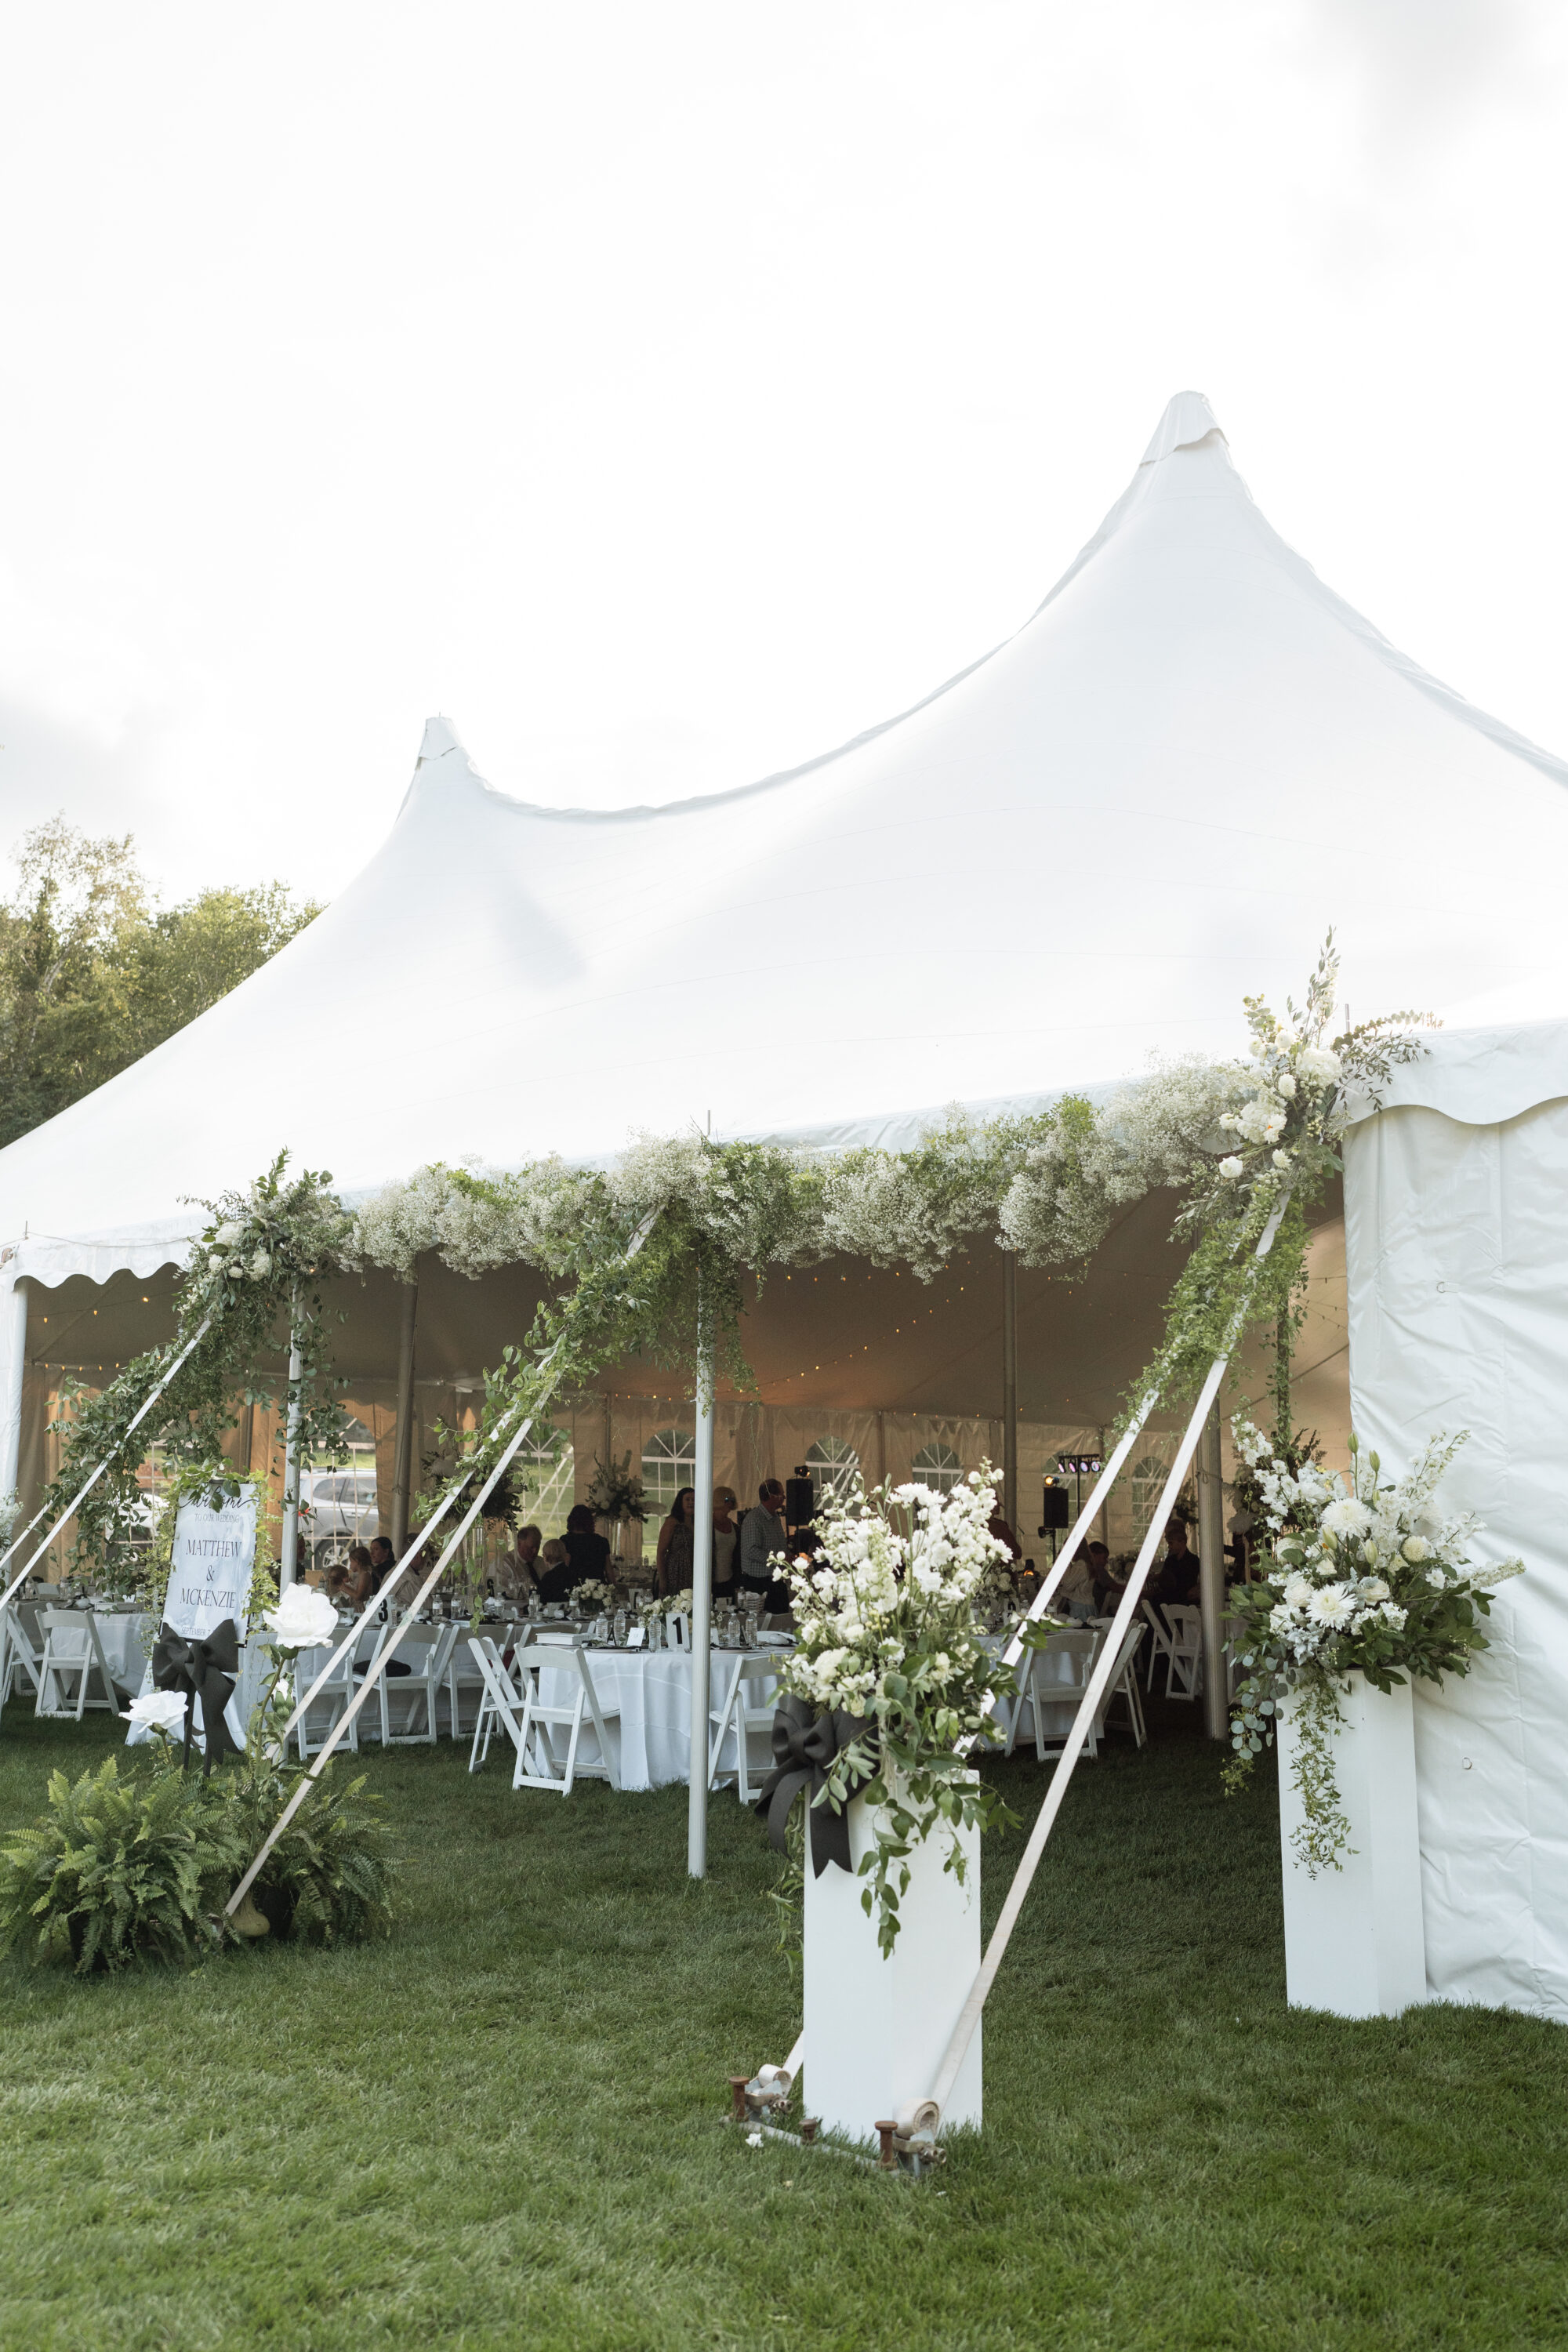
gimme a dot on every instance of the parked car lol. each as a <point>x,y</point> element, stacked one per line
<point>337,1508</point>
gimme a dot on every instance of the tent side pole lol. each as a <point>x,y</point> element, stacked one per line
<point>403,1446</point>
<point>701,1601</point>
<point>1010,1389</point>
<point>289,1547</point>
<point>13,1372</point>
<point>1211,1577</point>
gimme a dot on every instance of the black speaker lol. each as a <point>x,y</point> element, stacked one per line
<point>1054,1509</point>
<point>800,1501</point>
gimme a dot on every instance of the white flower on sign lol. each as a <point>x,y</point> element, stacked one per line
<point>303,1620</point>
<point>156,1710</point>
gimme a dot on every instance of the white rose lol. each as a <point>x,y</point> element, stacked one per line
<point>1299,1591</point>
<point>1415,1548</point>
<point>157,1711</point>
<point>1230,1168</point>
<point>1332,1606</point>
<point>304,1619</point>
<point>1228,1120</point>
<point>1372,1588</point>
<point>1287,1085</point>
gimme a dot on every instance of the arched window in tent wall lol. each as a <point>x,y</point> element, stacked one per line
<point>937,1465</point>
<point>547,1468</point>
<point>835,1468</point>
<point>1148,1474</point>
<point>668,1463</point>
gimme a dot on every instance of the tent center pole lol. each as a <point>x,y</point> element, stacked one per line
<point>1211,1577</point>
<point>1010,1389</point>
<point>288,1544</point>
<point>403,1446</point>
<point>701,1598</point>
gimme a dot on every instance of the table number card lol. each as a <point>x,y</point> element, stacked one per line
<point>637,1638</point>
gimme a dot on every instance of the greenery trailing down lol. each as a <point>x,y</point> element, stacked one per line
<point>93,974</point>
<point>1281,1115</point>
<point>1372,1578</point>
<point>503,2127</point>
<point>260,1264</point>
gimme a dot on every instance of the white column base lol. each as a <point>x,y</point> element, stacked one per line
<point>877,2030</point>
<point>1354,1942</point>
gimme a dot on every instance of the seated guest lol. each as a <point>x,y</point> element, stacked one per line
<point>673,1555</point>
<point>518,1569</point>
<point>763,1538</point>
<point>1109,1587</point>
<point>556,1578</point>
<point>726,1535</point>
<point>382,1560</point>
<point>587,1552</point>
<point>1174,1582</point>
<point>997,1527</point>
<point>357,1579</point>
<point>1077,1582</point>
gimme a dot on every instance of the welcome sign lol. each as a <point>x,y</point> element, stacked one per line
<point>213,1560</point>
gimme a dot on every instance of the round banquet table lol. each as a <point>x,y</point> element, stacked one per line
<point>650,1737</point>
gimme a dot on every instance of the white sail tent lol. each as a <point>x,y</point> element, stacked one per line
<point>1200,758</point>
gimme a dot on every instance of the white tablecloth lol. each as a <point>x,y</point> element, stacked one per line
<point>650,1740</point>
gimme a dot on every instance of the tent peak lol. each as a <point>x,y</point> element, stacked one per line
<point>1188,419</point>
<point>440,736</point>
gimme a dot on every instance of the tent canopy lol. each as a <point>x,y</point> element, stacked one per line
<point>1088,845</point>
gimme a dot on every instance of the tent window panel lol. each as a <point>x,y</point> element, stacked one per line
<point>547,1474</point>
<point>668,1463</point>
<point>1147,1476</point>
<point>835,1469</point>
<point>937,1466</point>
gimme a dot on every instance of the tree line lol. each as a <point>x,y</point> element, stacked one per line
<point>94,973</point>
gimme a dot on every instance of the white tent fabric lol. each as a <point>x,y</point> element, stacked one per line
<point>1458,1319</point>
<point>1197,753</point>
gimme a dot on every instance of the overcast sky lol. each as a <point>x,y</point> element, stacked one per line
<point>668,392</point>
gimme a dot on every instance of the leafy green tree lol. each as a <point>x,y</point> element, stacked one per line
<point>93,975</point>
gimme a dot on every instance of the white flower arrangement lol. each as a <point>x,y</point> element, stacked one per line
<point>886,1633</point>
<point>1368,1577</point>
<point>593,1593</point>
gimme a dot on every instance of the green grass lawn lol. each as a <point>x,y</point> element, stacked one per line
<point>504,2126</point>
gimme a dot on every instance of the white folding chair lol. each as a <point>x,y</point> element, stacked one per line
<point>748,1701</point>
<point>409,1701</point>
<point>1184,1670</point>
<point>19,1652</point>
<point>331,1701</point>
<point>1123,1685</point>
<point>1159,1644</point>
<point>530,1723</point>
<point>73,1653</point>
<point>1056,1676</point>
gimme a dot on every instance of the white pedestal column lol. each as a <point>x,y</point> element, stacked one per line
<point>876,2030</point>
<point>1353,1937</point>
